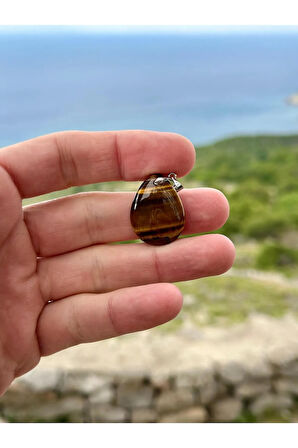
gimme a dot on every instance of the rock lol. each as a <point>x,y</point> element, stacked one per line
<point>290,369</point>
<point>160,381</point>
<point>85,383</point>
<point>144,415</point>
<point>185,379</point>
<point>196,414</point>
<point>252,389</point>
<point>283,355</point>
<point>194,378</point>
<point>284,385</point>
<point>174,400</point>
<point>205,375</point>
<point>189,300</point>
<point>102,396</point>
<point>269,402</point>
<point>68,408</point>
<point>108,414</point>
<point>18,386</point>
<point>132,395</point>
<point>232,372</point>
<point>258,368</point>
<point>136,377</point>
<point>221,389</point>
<point>22,398</point>
<point>39,380</point>
<point>226,410</point>
<point>208,393</point>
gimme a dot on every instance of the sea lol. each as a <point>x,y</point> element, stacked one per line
<point>204,85</point>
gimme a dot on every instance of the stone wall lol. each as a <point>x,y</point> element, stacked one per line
<point>221,393</point>
<point>195,375</point>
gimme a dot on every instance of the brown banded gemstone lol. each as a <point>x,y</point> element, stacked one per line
<point>157,213</point>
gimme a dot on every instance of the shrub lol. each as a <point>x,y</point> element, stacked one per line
<point>272,255</point>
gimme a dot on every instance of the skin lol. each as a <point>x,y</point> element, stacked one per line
<point>61,250</point>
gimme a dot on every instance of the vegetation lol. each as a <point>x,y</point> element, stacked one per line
<point>260,177</point>
<point>227,299</point>
<point>274,255</point>
<point>269,416</point>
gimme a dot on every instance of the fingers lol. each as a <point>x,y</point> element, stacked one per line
<point>93,317</point>
<point>57,161</point>
<point>81,220</point>
<point>104,268</point>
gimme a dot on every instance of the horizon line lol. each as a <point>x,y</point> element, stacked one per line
<point>152,29</point>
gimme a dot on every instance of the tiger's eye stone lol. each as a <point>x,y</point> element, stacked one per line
<point>157,213</point>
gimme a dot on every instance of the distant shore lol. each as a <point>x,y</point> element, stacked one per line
<point>293,99</point>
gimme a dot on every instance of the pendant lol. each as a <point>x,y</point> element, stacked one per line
<point>157,214</point>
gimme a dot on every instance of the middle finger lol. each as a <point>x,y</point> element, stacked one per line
<point>73,222</point>
<point>105,267</point>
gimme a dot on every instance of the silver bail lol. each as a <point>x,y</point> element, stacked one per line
<point>176,184</point>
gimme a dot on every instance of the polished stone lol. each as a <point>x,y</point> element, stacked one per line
<point>157,213</point>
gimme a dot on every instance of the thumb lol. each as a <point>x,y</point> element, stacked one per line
<point>10,205</point>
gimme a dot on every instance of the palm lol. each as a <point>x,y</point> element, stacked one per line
<point>20,297</point>
<point>60,252</point>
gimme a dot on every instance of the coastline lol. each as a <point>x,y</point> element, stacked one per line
<point>292,100</point>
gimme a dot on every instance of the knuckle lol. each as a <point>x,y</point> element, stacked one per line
<point>66,160</point>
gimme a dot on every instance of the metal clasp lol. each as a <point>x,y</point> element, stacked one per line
<point>176,184</point>
<point>172,177</point>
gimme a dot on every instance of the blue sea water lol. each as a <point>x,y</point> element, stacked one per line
<point>204,86</point>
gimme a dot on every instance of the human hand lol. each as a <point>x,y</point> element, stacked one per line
<point>60,250</point>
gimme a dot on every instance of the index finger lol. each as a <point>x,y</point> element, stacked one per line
<point>60,160</point>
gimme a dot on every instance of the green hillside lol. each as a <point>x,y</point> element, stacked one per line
<point>259,175</point>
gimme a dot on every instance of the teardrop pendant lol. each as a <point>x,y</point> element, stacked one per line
<point>157,214</point>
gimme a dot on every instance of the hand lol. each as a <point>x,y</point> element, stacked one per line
<point>59,250</point>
